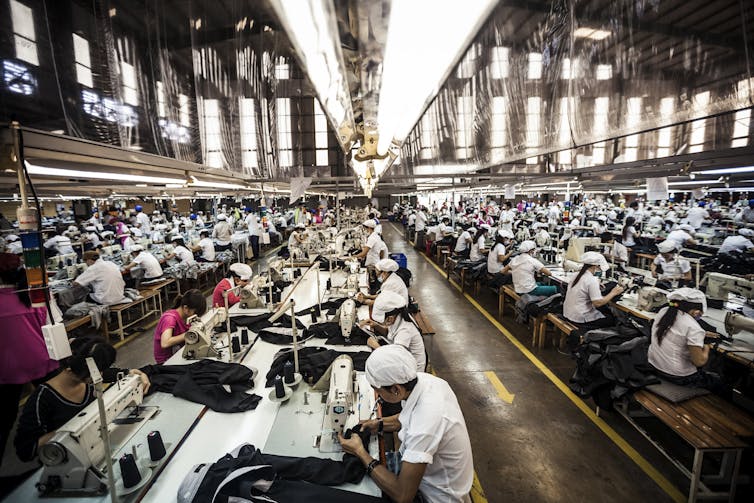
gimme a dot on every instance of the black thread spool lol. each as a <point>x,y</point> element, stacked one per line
<point>235,344</point>
<point>276,296</point>
<point>279,387</point>
<point>156,446</point>
<point>244,336</point>
<point>296,273</point>
<point>288,373</point>
<point>313,313</point>
<point>328,285</point>
<point>129,471</point>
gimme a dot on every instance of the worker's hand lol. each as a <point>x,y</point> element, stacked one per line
<point>617,290</point>
<point>351,445</point>
<point>711,335</point>
<point>373,343</point>
<point>145,384</point>
<point>370,425</point>
<point>360,297</point>
<point>654,274</point>
<point>365,323</point>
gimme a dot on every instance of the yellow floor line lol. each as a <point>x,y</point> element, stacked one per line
<point>622,444</point>
<point>502,392</point>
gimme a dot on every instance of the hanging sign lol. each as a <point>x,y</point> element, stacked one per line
<point>657,188</point>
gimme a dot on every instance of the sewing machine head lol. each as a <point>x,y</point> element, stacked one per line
<point>735,322</point>
<point>720,285</point>
<point>340,408</point>
<point>200,334</point>
<point>347,318</point>
<point>577,246</point>
<point>651,299</point>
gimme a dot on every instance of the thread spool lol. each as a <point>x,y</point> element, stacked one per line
<point>156,446</point>
<point>288,373</point>
<point>235,344</point>
<point>328,284</point>
<point>244,336</point>
<point>129,471</point>
<point>279,387</point>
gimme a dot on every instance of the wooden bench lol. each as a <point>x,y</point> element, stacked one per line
<point>708,424</point>
<point>427,330</point>
<point>562,325</point>
<point>165,287</point>
<point>439,251</point>
<point>508,291</point>
<point>122,311</point>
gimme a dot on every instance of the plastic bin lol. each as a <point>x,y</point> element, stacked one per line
<point>401,259</point>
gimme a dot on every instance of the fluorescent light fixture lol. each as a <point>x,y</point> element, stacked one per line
<point>696,182</point>
<point>98,175</point>
<point>593,33</point>
<point>726,171</point>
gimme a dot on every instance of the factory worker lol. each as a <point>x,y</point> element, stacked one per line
<point>58,244</point>
<point>697,215</point>
<point>667,266</point>
<point>617,252</point>
<point>389,282</point>
<point>126,241</point>
<point>435,446</point>
<point>600,226</point>
<point>180,251</point>
<point>677,349</point>
<point>389,311</point>
<point>13,244</point>
<point>103,278</point>
<point>739,243</point>
<point>682,236</point>
<point>298,236</point>
<point>255,231</point>
<point>498,255</point>
<point>240,274</point>
<point>507,216</point>
<point>584,296</point>
<point>371,249</point>
<point>158,234</point>
<point>747,215</point>
<point>107,237</point>
<point>92,238</point>
<point>464,241</point>
<point>420,223</point>
<point>629,234</point>
<point>145,260</point>
<point>143,220</point>
<point>222,233</point>
<point>478,244</point>
<point>136,232</point>
<point>206,246</point>
<point>173,324</point>
<point>524,267</point>
<point>199,222</point>
<point>655,220</point>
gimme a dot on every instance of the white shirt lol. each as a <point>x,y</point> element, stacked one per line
<point>462,240</point>
<point>222,233</point>
<point>93,238</point>
<point>208,249</point>
<point>404,333</point>
<point>523,269</point>
<point>395,284</point>
<point>493,264</point>
<point>620,252</point>
<point>475,254</point>
<point>679,237</point>
<point>736,243</point>
<point>656,221</point>
<point>433,431</point>
<point>16,247</point>
<point>184,254</point>
<point>128,243</point>
<point>696,216</point>
<point>292,241</point>
<point>252,223</point>
<point>150,264</point>
<point>672,355</point>
<point>373,255</point>
<point>578,306</point>
<point>506,220</point>
<point>629,239</point>
<point>143,220</point>
<point>106,282</point>
<point>61,243</point>
<point>421,221</point>
<point>675,269</point>
<point>412,219</point>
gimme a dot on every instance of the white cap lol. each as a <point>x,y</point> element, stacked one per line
<point>384,303</point>
<point>666,246</point>
<point>486,227</point>
<point>689,295</point>
<point>136,232</point>
<point>106,233</point>
<point>527,246</point>
<point>300,226</point>
<point>174,237</point>
<point>746,232</point>
<point>137,248</point>
<point>11,237</point>
<point>160,227</point>
<point>73,228</point>
<point>369,223</point>
<point>386,265</point>
<point>505,233</point>
<point>602,218</point>
<point>222,216</point>
<point>472,230</point>
<point>243,271</point>
<point>90,228</point>
<point>594,258</point>
<point>687,228</point>
<point>388,365</point>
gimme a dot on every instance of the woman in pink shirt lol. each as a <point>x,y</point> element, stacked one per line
<point>168,336</point>
<point>23,354</point>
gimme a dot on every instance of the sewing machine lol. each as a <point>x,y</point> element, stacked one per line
<point>340,410</point>
<point>735,322</point>
<point>200,335</point>
<point>720,285</point>
<point>650,298</point>
<point>253,295</point>
<point>74,460</point>
<point>346,318</point>
<point>577,246</point>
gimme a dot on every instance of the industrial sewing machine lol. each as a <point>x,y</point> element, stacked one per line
<point>650,298</point>
<point>254,294</point>
<point>720,285</point>
<point>340,409</point>
<point>74,460</point>
<point>735,322</point>
<point>347,318</point>
<point>577,246</point>
<point>200,335</point>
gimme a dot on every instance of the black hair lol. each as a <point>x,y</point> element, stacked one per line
<point>178,239</point>
<point>628,223</point>
<point>409,385</point>
<point>499,238</point>
<point>583,270</point>
<point>84,347</point>
<point>670,315</point>
<point>402,312</point>
<point>606,237</point>
<point>17,278</point>
<point>634,204</point>
<point>193,299</point>
<point>479,233</point>
<point>445,219</point>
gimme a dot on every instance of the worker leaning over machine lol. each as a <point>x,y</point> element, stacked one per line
<point>104,278</point>
<point>145,260</point>
<point>668,266</point>
<point>391,319</point>
<point>584,297</point>
<point>435,448</point>
<point>169,334</point>
<point>240,274</point>
<point>739,243</point>
<point>389,282</point>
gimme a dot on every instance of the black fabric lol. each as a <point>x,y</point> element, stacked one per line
<point>734,262</point>
<point>330,330</point>
<point>313,362</point>
<point>202,382</point>
<point>258,322</point>
<point>405,275</point>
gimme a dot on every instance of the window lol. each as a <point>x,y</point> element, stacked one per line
<point>183,103</point>
<point>535,66</point>
<point>604,72</point>
<point>24,35</point>
<point>699,127</point>
<point>212,136</point>
<point>320,135</point>
<point>285,145</point>
<point>248,134</point>
<point>467,67</point>
<point>128,78</point>
<point>599,129</point>
<point>83,61</point>
<point>570,69</point>
<point>427,134</point>
<point>665,135</point>
<point>500,64</point>
<point>533,106</point>
<point>741,125</point>
<point>498,129</point>
<point>161,102</point>
<point>18,78</point>
<point>282,70</point>
<point>633,117</point>
<point>564,133</point>
<point>464,126</point>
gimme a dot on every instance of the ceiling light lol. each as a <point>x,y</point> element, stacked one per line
<point>593,33</point>
<point>98,175</point>
<point>726,171</point>
<point>696,182</point>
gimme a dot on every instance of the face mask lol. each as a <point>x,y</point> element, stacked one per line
<point>698,317</point>
<point>380,279</point>
<point>598,274</point>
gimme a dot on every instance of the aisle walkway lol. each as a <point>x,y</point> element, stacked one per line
<point>539,447</point>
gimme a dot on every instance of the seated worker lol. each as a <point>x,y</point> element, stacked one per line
<point>240,274</point>
<point>617,252</point>
<point>523,267</point>
<point>444,233</point>
<point>145,260</point>
<point>58,244</point>
<point>13,244</point>
<point>298,236</point>
<point>584,297</point>
<point>103,278</point>
<point>180,251</point>
<point>497,257</point>
<point>668,266</point>
<point>435,447</point>
<point>682,236</point>
<point>168,336</point>
<point>677,349</point>
<point>740,243</point>
<point>477,246</point>
<point>91,238</point>
<point>463,243</point>
<point>65,395</point>
<point>390,317</point>
<point>389,282</point>
<point>206,246</point>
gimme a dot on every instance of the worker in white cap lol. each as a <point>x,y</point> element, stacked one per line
<point>222,233</point>
<point>58,244</point>
<point>183,254</point>
<point>478,243</point>
<point>677,349</point>
<point>240,274</point>
<point>668,266</point>
<point>584,297</point>
<point>435,447</point>
<point>298,236</point>
<point>13,244</point>
<point>91,238</point>
<point>682,236</point>
<point>391,319</point>
<point>205,246</point>
<point>372,252</point>
<point>498,255</point>
<point>463,243</point>
<point>126,241</point>
<point>524,267</point>
<point>145,260</point>
<point>741,242</point>
<point>389,282</point>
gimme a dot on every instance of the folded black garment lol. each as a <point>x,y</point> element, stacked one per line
<point>257,322</point>
<point>331,331</point>
<point>313,362</point>
<point>202,382</point>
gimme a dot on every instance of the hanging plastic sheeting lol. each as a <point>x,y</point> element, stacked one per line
<point>207,82</point>
<point>558,86</point>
